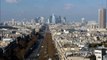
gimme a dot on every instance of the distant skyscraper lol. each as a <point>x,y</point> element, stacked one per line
<point>58,19</point>
<point>41,19</point>
<point>63,20</point>
<point>37,19</point>
<point>48,21</point>
<point>102,18</point>
<point>52,19</point>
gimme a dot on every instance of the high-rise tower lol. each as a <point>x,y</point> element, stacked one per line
<point>52,19</point>
<point>102,18</point>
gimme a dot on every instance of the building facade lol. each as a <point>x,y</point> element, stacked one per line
<point>102,18</point>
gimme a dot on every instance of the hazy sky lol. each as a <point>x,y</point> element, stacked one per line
<point>72,9</point>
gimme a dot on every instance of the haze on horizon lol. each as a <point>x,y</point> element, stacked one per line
<point>71,9</point>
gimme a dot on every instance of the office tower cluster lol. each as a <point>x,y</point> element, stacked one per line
<point>39,19</point>
<point>56,19</point>
<point>53,19</point>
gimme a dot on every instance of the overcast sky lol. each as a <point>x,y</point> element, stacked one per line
<point>72,9</point>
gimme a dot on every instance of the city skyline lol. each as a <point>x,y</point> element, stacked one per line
<point>53,29</point>
<point>72,9</point>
